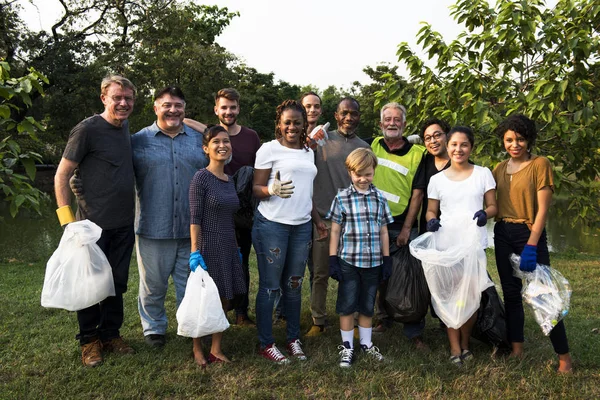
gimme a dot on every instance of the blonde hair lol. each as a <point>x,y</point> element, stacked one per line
<point>117,80</point>
<point>361,159</point>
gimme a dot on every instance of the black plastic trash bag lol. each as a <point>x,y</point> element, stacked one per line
<point>491,320</point>
<point>243,186</point>
<point>407,297</point>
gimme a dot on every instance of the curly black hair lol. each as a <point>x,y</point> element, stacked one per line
<point>296,106</point>
<point>519,124</point>
<point>435,121</point>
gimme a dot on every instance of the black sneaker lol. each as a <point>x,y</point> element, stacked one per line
<point>372,351</point>
<point>346,355</point>
<point>155,340</point>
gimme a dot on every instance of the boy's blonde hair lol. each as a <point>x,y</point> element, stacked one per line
<point>361,159</point>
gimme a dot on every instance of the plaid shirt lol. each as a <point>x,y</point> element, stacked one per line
<point>361,217</point>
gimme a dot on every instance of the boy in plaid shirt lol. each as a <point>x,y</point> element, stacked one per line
<point>359,252</point>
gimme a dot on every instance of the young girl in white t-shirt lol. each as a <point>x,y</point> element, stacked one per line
<point>462,188</point>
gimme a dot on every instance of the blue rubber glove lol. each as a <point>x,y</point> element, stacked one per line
<point>481,217</point>
<point>387,268</point>
<point>197,260</point>
<point>433,225</point>
<point>241,257</point>
<point>335,270</point>
<point>528,258</point>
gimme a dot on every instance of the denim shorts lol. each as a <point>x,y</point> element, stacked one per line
<point>357,290</point>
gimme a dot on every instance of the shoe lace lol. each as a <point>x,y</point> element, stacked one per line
<point>374,352</point>
<point>92,349</point>
<point>295,348</point>
<point>345,353</point>
<point>274,353</point>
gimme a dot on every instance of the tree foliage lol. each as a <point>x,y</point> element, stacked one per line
<point>516,57</point>
<point>15,94</point>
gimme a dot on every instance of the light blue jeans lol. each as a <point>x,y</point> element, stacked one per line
<point>281,253</point>
<point>157,260</point>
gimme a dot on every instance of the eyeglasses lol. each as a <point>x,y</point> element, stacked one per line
<point>118,99</point>
<point>436,135</point>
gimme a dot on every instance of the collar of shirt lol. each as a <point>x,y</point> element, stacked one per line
<point>154,129</point>
<point>370,190</point>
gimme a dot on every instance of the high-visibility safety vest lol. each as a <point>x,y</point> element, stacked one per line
<point>394,174</point>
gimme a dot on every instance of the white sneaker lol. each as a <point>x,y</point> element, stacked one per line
<point>295,350</point>
<point>272,353</point>
<point>346,355</point>
<point>372,351</point>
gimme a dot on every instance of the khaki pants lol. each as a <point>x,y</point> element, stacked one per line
<point>320,261</point>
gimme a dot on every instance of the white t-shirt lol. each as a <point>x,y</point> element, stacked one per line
<point>297,165</point>
<point>462,197</point>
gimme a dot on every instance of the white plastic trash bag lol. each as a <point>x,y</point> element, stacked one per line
<point>455,268</point>
<point>200,312</point>
<point>78,274</point>
<point>546,291</point>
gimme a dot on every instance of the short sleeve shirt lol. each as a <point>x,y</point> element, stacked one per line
<point>517,193</point>
<point>103,152</point>
<point>361,216</point>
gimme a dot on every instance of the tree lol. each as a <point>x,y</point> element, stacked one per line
<point>15,94</point>
<point>516,57</point>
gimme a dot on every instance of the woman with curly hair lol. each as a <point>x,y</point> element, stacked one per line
<point>282,231</point>
<point>524,189</point>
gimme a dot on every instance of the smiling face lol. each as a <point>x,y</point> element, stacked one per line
<point>347,117</point>
<point>227,111</point>
<point>219,147</point>
<point>362,179</point>
<point>391,123</point>
<point>459,148</point>
<point>516,145</point>
<point>435,140</point>
<point>290,125</point>
<point>170,112</point>
<point>312,104</point>
<point>118,103</point>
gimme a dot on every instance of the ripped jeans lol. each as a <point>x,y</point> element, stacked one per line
<point>281,253</point>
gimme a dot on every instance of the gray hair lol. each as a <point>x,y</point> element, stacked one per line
<point>118,80</point>
<point>397,106</point>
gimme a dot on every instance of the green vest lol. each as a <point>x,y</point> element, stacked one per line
<point>394,174</point>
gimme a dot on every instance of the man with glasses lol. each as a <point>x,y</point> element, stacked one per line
<point>100,147</point>
<point>166,155</point>
<point>400,177</point>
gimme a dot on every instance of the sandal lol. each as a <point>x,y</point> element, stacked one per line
<point>466,355</point>
<point>456,360</point>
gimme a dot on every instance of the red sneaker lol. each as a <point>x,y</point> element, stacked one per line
<point>272,353</point>
<point>294,349</point>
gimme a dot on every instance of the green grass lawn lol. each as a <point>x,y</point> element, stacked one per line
<point>40,359</point>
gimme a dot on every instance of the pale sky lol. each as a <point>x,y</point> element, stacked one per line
<point>318,42</point>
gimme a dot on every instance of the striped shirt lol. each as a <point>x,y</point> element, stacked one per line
<point>361,217</point>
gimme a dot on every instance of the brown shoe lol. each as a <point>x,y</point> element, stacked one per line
<point>380,328</point>
<point>91,353</point>
<point>117,345</point>
<point>420,344</point>
<point>243,320</point>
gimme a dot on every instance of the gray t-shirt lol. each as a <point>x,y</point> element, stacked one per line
<point>103,152</point>
<point>331,168</point>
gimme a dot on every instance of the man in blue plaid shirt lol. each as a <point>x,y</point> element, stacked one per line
<point>359,252</point>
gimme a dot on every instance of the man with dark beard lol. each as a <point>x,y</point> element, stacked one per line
<point>332,175</point>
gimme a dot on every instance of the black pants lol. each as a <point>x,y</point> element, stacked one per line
<point>512,238</point>
<point>103,320</point>
<point>244,240</point>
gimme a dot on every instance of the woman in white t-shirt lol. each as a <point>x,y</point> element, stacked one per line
<point>461,189</point>
<point>282,231</point>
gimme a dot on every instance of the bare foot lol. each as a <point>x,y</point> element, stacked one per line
<point>218,357</point>
<point>199,359</point>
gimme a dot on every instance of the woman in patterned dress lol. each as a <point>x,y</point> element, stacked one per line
<point>213,201</point>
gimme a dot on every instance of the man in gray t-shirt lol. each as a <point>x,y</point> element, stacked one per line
<point>100,147</point>
<point>332,175</point>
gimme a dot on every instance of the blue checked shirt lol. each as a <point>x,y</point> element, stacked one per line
<point>361,217</point>
<point>164,168</point>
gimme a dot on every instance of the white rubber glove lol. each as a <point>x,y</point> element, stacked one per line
<point>281,189</point>
<point>415,139</point>
<point>319,134</point>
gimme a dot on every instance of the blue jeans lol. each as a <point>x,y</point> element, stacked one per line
<point>281,254</point>
<point>158,259</point>
<point>410,330</point>
<point>357,290</point>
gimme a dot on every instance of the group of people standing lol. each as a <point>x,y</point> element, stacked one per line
<point>339,206</point>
